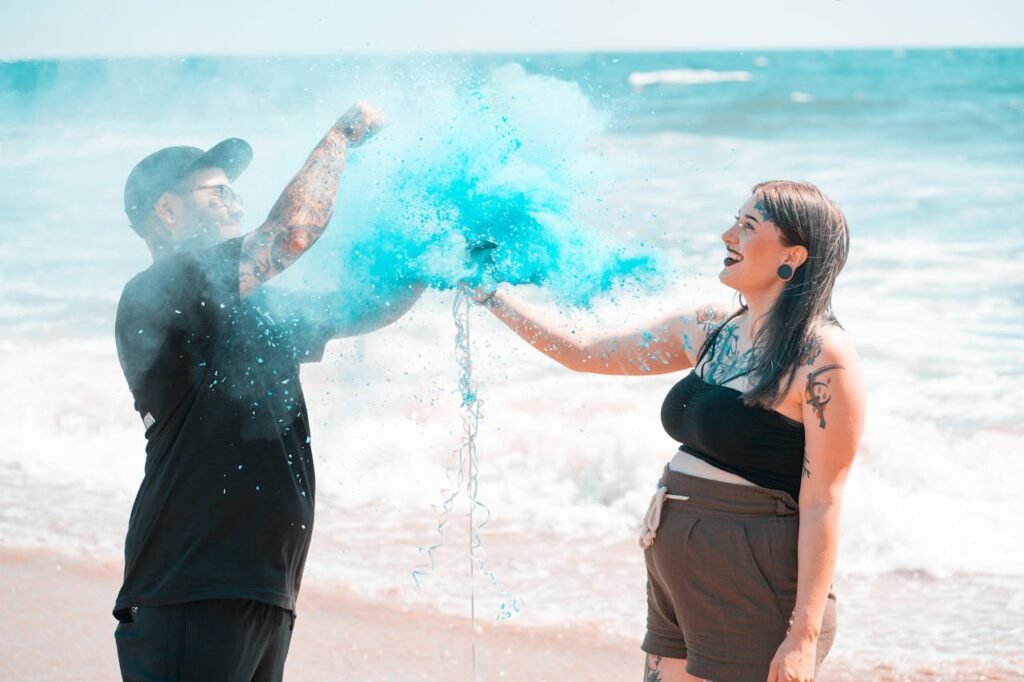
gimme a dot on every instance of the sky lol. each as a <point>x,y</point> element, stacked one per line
<point>37,29</point>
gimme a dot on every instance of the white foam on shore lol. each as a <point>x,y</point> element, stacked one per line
<point>641,79</point>
<point>385,425</point>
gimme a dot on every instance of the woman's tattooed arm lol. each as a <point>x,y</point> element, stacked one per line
<point>830,391</point>
<point>304,209</point>
<point>818,392</point>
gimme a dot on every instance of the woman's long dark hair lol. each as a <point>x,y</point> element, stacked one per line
<point>805,217</point>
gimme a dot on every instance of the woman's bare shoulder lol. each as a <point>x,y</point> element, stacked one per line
<point>828,354</point>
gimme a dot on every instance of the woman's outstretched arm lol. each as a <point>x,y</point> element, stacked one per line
<point>665,345</point>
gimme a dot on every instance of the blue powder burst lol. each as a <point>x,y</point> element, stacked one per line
<point>502,158</point>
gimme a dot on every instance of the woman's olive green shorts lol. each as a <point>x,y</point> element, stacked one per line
<point>721,578</point>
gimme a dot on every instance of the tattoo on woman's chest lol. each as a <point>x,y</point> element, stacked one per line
<point>727,361</point>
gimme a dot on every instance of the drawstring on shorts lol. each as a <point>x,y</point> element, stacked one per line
<point>652,519</point>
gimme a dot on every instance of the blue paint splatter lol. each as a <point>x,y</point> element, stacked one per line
<point>501,157</point>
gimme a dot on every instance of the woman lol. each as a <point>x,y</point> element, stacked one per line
<point>741,541</point>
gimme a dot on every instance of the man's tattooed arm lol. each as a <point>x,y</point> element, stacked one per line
<point>298,218</point>
<point>305,207</point>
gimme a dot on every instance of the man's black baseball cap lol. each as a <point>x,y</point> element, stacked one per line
<point>158,172</point>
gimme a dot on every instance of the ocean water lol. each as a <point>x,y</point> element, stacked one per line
<point>654,152</point>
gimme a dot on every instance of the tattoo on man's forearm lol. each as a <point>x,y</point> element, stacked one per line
<point>807,465</point>
<point>818,392</point>
<point>300,214</point>
<point>651,668</point>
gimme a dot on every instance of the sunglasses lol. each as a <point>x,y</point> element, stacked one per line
<point>223,192</point>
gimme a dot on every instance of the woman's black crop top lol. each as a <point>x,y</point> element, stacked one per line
<point>711,422</point>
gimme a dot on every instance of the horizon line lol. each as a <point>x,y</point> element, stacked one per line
<point>504,53</point>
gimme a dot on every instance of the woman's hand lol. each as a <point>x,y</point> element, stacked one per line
<point>794,660</point>
<point>481,295</point>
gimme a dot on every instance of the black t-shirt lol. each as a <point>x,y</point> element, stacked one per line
<point>225,509</point>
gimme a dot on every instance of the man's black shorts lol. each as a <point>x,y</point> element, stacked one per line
<point>222,640</point>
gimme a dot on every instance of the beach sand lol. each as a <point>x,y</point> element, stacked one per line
<point>56,625</point>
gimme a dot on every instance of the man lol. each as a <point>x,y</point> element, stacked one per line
<point>221,525</point>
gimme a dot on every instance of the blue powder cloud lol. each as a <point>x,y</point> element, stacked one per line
<point>500,157</point>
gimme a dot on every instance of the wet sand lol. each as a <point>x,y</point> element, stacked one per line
<point>56,625</point>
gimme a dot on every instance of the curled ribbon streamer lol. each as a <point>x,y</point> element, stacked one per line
<point>463,474</point>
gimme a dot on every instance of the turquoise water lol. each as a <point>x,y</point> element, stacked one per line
<point>912,97</point>
<point>72,129</point>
